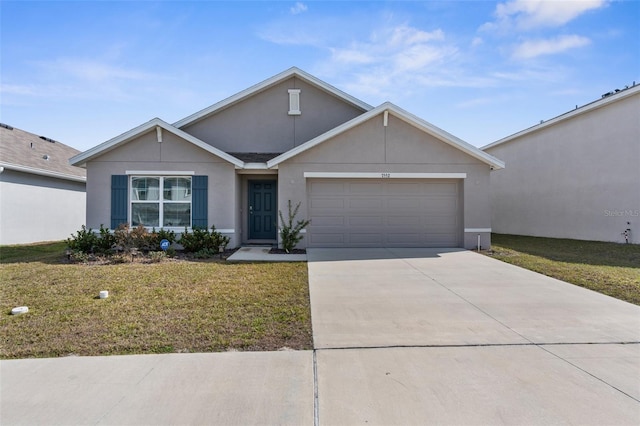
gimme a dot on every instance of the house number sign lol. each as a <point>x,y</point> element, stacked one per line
<point>385,175</point>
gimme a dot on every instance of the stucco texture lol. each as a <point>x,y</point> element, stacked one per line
<point>578,178</point>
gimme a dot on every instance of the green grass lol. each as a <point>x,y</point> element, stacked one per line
<point>173,306</point>
<point>609,268</point>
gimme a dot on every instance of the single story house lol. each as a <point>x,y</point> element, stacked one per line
<point>364,176</point>
<point>42,197</point>
<point>574,176</point>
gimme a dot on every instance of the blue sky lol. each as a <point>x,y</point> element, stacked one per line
<point>84,72</point>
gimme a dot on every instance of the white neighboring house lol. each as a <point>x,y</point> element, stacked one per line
<point>575,176</point>
<point>42,196</point>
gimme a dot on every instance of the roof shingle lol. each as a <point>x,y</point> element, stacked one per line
<point>21,148</point>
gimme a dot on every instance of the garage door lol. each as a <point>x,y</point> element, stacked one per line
<point>384,213</point>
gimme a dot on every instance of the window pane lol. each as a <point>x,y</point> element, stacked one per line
<point>176,214</point>
<point>145,188</point>
<point>177,189</point>
<point>147,214</point>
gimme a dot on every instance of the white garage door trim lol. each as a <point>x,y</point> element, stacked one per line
<point>383,175</point>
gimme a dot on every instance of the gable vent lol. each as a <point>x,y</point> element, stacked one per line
<point>294,102</point>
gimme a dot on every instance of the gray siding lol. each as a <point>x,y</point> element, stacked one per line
<point>578,178</point>
<point>37,208</point>
<point>261,123</point>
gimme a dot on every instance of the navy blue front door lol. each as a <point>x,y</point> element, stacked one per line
<point>263,215</point>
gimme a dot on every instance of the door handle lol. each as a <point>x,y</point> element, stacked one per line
<point>250,209</point>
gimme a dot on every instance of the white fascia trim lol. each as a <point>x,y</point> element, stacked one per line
<point>255,166</point>
<point>403,115</point>
<point>294,71</point>
<point>568,115</point>
<point>81,159</point>
<point>384,175</point>
<point>41,172</point>
<point>477,230</point>
<point>160,172</point>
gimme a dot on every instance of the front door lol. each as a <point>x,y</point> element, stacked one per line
<point>263,215</point>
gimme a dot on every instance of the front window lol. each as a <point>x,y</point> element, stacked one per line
<point>161,201</point>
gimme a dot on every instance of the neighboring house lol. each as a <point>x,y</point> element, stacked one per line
<point>42,197</point>
<point>574,176</point>
<point>365,177</point>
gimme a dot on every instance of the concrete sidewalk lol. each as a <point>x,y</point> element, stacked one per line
<point>232,388</point>
<point>426,336</point>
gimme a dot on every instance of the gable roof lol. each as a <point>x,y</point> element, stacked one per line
<point>606,99</point>
<point>404,116</point>
<point>81,159</point>
<point>291,72</point>
<point>29,153</point>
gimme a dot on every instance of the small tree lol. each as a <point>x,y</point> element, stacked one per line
<point>290,233</point>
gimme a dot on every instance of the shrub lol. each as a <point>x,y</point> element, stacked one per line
<point>201,238</point>
<point>290,233</point>
<point>106,240</point>
<point>130,240</point>
<point>205,253</point>
<point>84,241</point>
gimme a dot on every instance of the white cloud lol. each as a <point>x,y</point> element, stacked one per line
<point>298,8</point>
<point>93,70</point>
<point>533,48</point>
<point>390,57</point>
<point>529,14</point>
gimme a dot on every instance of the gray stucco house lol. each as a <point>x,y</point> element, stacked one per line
<point>42,197</point>
<point>573,176</point>
<point>365,176</point>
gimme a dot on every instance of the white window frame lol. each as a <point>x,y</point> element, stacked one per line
<point>161,201</point>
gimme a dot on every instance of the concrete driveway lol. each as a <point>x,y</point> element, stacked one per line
<point>424,336</point>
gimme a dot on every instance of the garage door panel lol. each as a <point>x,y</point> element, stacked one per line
<point>399,203</point>
<point>327,188</point>
<point>367,221</point>
<point>439,205</point>
<point>327,239</point>
<point>364,188</point>
<point>365,204</point>
<point>384,213</point>
<point>330,204</point>
<point>440,188</point>
<point>402,188</point>
<point>328,220</point>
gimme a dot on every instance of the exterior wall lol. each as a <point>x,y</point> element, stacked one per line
<point>400,147</point>
<point>262,123</point>
<point>577,179</point>
<point>173,154</point>
<point>37,208</point>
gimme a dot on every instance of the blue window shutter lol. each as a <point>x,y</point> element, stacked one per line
<point>119,200</point>
<point>199,201</point>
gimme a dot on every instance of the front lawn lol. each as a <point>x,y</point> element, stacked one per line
<point>609,268</point>
<point>172,306</point>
